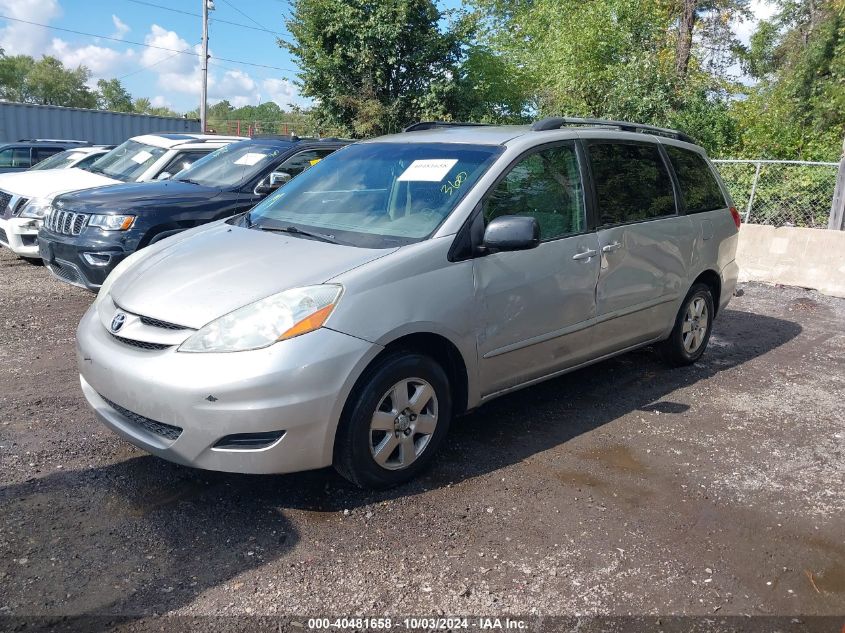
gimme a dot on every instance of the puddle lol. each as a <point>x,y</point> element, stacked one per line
<point>831,579</point>
<point>617,456</point>
<point>577,478</point>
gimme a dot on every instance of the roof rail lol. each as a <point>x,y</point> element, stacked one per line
<point>557,122</point>
<point>52,140</point>
<point>430,125</point>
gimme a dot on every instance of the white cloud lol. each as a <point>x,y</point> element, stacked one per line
<point>160,102</point>
<point>17,38</point>
<point>282,92</point>
<point>121,28</point>
<point>103,62</point>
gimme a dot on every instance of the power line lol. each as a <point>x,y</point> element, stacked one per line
<point>245,15</point>
<point>148,66</point>
<point>197,15</point>
<point>161,48</point>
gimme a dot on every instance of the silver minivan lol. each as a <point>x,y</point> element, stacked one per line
<point>405,280</point>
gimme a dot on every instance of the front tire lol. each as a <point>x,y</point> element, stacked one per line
<point>394,422</point>
<point>693,325</point>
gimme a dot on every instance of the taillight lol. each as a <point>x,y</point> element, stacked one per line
<point>735,214</point>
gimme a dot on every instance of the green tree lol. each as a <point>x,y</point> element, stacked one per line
<point>50,83</point>
<point>111,95</point>
<point>797,107</point>
<point>14,74</point>
<point>373,66</point>
<point>142,105</point>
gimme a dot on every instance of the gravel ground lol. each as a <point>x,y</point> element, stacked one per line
<point>625,488</point>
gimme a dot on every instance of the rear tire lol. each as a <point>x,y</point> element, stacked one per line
<point>394,421</point>
<point>693,325</point>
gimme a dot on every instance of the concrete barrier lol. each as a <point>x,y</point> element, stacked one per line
<point>793,256</point>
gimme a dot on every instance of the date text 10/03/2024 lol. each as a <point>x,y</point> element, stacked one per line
<point>427,624</point>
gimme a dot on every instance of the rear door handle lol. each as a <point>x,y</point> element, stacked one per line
<point>589,254</point>
<point>611,247</point>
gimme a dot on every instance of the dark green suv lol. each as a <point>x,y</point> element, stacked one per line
<point>26,152</point>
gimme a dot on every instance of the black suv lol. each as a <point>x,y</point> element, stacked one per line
<point>87,233</point>
<point>27,152</point>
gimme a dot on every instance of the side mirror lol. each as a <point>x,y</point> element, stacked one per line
<point>165,175</point>
<point>272,182</point>
<point>511,233</point>
<point>278,178</point>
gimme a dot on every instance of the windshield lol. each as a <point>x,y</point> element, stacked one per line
<point>60,160</point>
<point>378,195</point>
<point>128,161</point>
<point>231,165</point>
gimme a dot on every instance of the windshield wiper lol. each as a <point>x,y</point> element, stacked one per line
<point>294,230</point>
<point>189,181</point>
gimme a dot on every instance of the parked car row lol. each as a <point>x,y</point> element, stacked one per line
<point>345,318</point>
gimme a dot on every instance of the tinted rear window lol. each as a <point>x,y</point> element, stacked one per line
<point>631,182</point>
<point>698,185</point>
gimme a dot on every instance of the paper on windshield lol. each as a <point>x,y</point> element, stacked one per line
<point>429,170</point>
<point>250,158</point>
<point>142,157</point>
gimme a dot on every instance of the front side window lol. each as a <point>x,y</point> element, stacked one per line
<point>183,160</point>
<point>57,161</point>
<point>45,152</point>
<point>545,185</point>
<point>231,165</point>
<point>699,188</point>
<point>298,163</point>
<point>15,157</point>
<point>631,182</point>
<point>128,161</point>
<point>378,195</point>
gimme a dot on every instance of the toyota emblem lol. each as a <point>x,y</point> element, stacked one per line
<point>118,321</point>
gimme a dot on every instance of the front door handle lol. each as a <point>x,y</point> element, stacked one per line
<point>589,254</point>
<point>611,247</point>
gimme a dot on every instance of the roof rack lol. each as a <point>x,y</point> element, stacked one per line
<point>430,125</point>
<point>557,122</point>
<point>52,140</point>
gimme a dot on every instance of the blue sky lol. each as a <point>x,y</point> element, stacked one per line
<point>169,78</point>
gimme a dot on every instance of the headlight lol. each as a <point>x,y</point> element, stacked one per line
<point>112,222</point>
<point>276,318</point>
<point>36,208</point>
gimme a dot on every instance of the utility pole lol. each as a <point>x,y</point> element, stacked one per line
<point>837,207</point>
<point>204,97</point>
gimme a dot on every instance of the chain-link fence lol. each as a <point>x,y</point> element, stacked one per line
<point>781,192</point>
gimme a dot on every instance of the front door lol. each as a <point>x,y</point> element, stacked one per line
<point>644,243</point>
<point>538,303</point>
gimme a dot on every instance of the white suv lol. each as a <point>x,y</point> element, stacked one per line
<point>26,197</point>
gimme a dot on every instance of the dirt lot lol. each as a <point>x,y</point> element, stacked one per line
<point>623,488</point>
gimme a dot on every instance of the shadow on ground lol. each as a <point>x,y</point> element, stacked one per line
<point>146,532</point>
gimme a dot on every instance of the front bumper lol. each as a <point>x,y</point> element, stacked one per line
<point>20,235</point>
<point>297,386</point>
<point>64,256</point>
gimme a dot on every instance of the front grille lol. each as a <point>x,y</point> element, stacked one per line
<point>3,237</point>
<point>162,324</point>
<point>140,344</point>
<point>65,222</point>
<point>159,428</point>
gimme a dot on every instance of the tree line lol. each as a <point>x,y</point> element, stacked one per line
<point>374,66</point>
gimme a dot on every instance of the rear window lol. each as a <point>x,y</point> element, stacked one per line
<point>699,188</point>
<point>631,182</point>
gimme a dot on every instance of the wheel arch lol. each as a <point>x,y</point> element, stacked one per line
<point>711,279</point>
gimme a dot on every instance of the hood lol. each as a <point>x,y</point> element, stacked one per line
<point>203,274</point>
<point>47,183</point>
<point>131,195</point>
